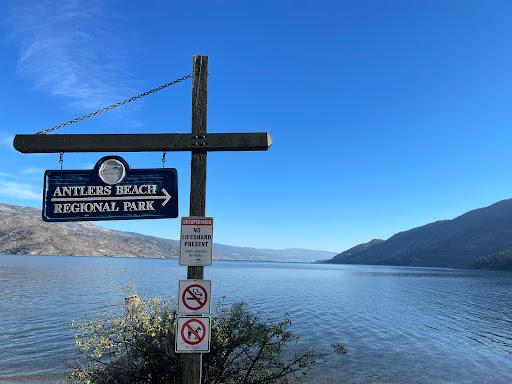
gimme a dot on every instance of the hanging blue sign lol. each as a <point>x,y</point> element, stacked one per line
<point>110,191</point>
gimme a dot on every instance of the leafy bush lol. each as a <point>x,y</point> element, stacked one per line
<point>138,347</point>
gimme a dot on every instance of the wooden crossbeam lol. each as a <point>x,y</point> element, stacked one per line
<point>152,142</point>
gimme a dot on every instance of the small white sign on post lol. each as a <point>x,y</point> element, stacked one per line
<point>194,297</point>
<point>196,241</point>
<point>193,334</point>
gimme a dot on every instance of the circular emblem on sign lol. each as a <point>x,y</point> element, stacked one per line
<point>194,297</point>
<point>193,332</point>
<point>112,171</point>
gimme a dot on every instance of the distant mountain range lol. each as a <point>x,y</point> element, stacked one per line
<point>22,231</point>
<point>456,243</point>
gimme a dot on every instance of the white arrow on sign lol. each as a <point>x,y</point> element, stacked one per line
<point>166,197</point>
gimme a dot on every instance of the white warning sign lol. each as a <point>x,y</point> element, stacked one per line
<point>192,334</point>
<point>194,297</point>
<point>196,241</point>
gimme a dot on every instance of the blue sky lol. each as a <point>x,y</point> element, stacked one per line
<point>385,115</point>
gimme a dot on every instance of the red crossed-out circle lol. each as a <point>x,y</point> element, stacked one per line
<point>200,302</point>
<point>189,325</point>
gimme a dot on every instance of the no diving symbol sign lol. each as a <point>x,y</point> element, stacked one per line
<point>194,297</point>
<point>193,334</point>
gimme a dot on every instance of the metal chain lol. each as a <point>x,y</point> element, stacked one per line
<point>110,107</point>
<point>61,159</point>
<point>164,158</point>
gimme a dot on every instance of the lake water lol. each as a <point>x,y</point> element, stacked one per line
<point>400,325</point>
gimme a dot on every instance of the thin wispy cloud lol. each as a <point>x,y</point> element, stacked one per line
<point>88,165</point>
<point>6,175</point>
<point>6,140</point>
<point>32,171</point>
<point>13,189</point>
<point>66,48</point>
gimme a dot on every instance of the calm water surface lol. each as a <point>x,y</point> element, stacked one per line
<point>400,325</point>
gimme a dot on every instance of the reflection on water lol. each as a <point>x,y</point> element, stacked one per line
<point>400,325</point>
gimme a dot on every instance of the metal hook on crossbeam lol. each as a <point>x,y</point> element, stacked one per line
<point>164,155</point>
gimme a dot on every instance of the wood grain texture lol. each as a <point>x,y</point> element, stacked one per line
<point>192,363</point>
<point>149,142</point>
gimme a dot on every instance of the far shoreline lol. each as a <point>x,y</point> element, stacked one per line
<point>316,263</point>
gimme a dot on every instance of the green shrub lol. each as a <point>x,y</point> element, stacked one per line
<point>138,347</point>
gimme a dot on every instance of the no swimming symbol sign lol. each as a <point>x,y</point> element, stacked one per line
<point>193,334</point>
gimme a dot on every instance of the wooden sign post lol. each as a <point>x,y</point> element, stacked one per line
<point>192,363</point>
<point>199,142</point>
